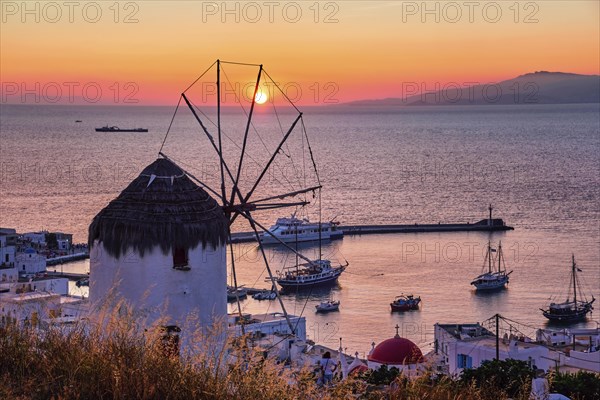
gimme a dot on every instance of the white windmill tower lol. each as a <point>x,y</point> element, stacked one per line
<point>160,246</point>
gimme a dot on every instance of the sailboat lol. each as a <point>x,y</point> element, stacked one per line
<point>570,310</point>
<point>493,279</point>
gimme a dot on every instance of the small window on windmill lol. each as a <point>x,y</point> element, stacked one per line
<point>180,259</point>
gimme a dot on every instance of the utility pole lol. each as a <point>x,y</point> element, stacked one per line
<point>497,336</point>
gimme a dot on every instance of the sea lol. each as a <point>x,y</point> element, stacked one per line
<point>538,166</point>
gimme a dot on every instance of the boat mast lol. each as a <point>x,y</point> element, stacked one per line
<point>500,257</point>
<point>296,230</point>
<point>320,248</point>
<point>574,282</point>
<point>489,256</point>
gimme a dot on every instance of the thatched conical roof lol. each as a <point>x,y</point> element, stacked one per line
<point>161,207</point>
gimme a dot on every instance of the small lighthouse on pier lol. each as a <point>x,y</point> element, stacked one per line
<point>160,247</point>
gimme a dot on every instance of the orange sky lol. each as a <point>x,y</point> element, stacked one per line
<point>367,50</point>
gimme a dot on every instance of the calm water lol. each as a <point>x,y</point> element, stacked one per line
<point>538,166</point>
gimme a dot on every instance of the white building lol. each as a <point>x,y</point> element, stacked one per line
<point>7,251</point>
<point>30,262</point>
<point>468,345</point>
<point>267,324</point>
<point>30,307</point>
<point>36,237</point>
<point>461,346</point>
<point>160,247</point>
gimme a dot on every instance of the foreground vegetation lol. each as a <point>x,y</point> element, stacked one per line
<point>84,363</point>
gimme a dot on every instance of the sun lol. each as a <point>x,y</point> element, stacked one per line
<point>261,97</point>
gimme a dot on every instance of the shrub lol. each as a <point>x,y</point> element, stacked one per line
<point>512,377</point>
<point>581,385</point>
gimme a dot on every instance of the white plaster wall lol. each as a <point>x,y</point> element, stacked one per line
<point>24,310</point>
<point>579,359</point>
<point>540,355</point>
<point>7,253</point>
<point>156,290</point>
<point>30,263</point>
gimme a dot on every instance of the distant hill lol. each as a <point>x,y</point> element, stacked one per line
<point>541,87</point>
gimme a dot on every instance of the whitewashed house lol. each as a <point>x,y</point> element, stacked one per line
<point>7,252</point>
<point>38,238</point>
<point>30,262</point>
<point>464,346</point>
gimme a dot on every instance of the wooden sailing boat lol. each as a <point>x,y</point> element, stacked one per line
<point>570,310</point>
<point>493,279</point>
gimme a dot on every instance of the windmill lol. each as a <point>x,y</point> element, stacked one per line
<point>237,197</point>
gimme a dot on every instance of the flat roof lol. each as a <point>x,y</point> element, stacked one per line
<point>261,318</point>
<point>29,296</point>
<point>470,330</point>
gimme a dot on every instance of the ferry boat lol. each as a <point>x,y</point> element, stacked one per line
<point>309,274</point>
<point>117,129</point>
<point>292,229</point>
<point>570,310</point>
<point>492,279</point>
<point>405,303</point>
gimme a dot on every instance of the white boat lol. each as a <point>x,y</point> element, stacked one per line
<point>329,305</point>
<point>292,229</point>
<point>494,278</point>
<point>265,295</point>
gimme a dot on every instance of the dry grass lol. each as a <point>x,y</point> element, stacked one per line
<point>116,360</point>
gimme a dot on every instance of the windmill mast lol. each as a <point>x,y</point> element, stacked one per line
<point>235,203</point>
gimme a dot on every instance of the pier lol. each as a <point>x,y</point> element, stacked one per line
<point>72,276</point>
<point>67,258</point>
<point>485,225</point>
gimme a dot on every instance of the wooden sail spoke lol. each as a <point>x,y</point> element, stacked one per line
<point>271,277</point>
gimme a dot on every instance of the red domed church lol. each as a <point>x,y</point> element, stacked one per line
<point>397,352</point>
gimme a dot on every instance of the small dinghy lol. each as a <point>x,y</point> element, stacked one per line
<point>234,294</point>
<point>328,305</point>
<point>265,295</point>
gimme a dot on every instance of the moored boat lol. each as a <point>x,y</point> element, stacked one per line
<point>309,274</point>
<point>496,276</point>
<point>570,310</point>
<point>83,282</point>
<point>405,303</point>
<point>265,295</point>
<point>233,294</point>
<point>292,229</point>
<point>327,306</point>
<point>117,129</point>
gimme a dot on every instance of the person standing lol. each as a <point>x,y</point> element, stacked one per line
<point>328,366</point>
